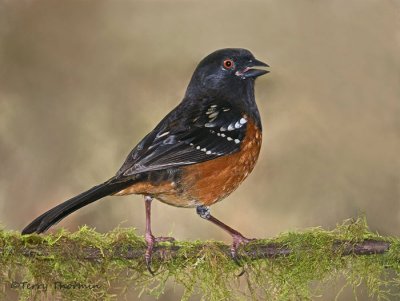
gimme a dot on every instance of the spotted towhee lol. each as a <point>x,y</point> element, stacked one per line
<point>197,155</point>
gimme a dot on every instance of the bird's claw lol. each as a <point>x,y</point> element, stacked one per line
<point>150,241</point>
<point>237,241</point>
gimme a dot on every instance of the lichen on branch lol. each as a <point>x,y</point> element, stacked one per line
<point>87,265</point>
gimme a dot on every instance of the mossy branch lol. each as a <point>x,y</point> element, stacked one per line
<point>256,250</point>
<point>282,268</point>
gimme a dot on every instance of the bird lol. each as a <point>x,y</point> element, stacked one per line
<point>197,155</point>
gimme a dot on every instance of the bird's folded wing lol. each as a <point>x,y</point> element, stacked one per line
<point>207,131</point>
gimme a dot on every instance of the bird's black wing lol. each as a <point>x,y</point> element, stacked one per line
<point>188,135</point>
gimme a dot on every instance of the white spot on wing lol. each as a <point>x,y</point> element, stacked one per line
<point>211,109</point>
<point>231,127</point>
<point>242,120</point>
<point>162,134</point>
<point>213,115</point>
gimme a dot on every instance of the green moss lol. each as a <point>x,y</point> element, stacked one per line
<point>201,268</point>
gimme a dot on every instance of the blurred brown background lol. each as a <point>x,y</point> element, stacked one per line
<point>81,82</point>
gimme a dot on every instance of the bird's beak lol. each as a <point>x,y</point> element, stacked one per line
<point>250,72</point>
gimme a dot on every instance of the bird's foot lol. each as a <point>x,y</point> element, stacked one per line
<point>151,241</point>
<point>238,240</point>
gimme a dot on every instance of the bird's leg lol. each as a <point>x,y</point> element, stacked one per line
<point>238,238</point>
<point>149,237</point>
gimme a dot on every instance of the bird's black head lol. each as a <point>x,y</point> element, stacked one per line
<point>227,69</point>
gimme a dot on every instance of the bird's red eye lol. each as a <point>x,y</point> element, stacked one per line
<point>228,64</point>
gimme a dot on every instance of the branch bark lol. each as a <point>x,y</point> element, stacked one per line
<point>169,251</point>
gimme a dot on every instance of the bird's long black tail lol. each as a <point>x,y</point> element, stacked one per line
<point>56,214</point>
